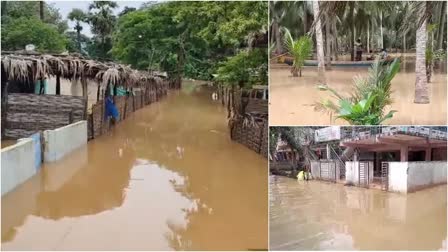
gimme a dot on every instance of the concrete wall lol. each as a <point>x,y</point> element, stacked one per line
<point>315,169</point>
<point>18,164</point>
<point>398,177</point>
<point>424,174</point>
<point>351,172</point>
<point>62,141</point>
<point>328,169</point>
<point>36,137</point>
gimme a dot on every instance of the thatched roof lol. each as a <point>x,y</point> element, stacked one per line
<point>31,67</point>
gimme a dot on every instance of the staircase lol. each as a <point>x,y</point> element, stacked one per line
<point>345,155</point>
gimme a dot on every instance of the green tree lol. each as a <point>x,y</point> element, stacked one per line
<point>22,31</point>
<point>29,9</point>
<point>73,42</point>
<point>188,38</point>
<point>78,16</point>
<point>102,22</point>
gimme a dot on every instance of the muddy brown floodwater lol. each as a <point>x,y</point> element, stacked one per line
<point>290,97</point>
<point>314,215</point>
<point>168,177</point>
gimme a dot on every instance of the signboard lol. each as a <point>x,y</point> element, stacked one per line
<point>327,134</point>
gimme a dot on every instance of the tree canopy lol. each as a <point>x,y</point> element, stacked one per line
<point>186,39</point>
<point>22,31</point>
<point>193,39</point>
<point>21,25</point>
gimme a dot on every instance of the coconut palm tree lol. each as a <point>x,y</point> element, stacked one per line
<point>102,21</point>
<point>319,43</point>
<point>78,16</point>
<point>299,49</point>
<point>441,26</point>
<point>277,12</point>
<point>366,105</point>
<point>421,82</point>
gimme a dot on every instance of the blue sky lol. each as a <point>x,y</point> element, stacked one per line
<point>66,6</point>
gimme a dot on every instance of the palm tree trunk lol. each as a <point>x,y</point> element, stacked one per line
<point>278,43</point>
<point>354,43</point>
<point>441,31</point>
<point>78,34</point>
<point>404,41</point>
<point>335,36</point>
<point>381,29</point>
<point>328,42</point>
<point>430,66</point>
<point>353,31</point>
<point>368,36</point>
<point>41,10</point>
<point>305,21</point>
<point>320,44</point>
<point>421,84</point>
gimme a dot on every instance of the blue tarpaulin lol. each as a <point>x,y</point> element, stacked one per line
<point>111,109</point>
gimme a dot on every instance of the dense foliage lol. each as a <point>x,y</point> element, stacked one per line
<point>186,39</point>
<point>193,39</point>
<point>22,31</point>
<point>22,24</point>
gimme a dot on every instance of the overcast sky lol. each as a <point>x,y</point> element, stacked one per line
<point>66,6</point>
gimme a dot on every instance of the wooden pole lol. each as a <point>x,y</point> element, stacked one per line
<point>58,84</point>
<point>84,95</point>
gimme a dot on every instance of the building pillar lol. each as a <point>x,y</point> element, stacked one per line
<point>404,153</point>
<point>328,152</point>
<point>428,154</point>
<point>356,155</point>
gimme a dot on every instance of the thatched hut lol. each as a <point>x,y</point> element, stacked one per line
<point>21,73</point>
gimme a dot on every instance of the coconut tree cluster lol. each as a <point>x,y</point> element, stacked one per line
<point>337,26</point>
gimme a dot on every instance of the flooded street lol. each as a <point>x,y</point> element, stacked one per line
<point>168,177</point>
<point>291,96</point>
<point>316,215</point>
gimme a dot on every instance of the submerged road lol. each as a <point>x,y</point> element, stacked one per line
<point>168,177</point>
<point>315,215</point>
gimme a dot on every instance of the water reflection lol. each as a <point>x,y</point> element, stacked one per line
<point>161,180</point>
<point>324,216</point>
<point>291,97</point>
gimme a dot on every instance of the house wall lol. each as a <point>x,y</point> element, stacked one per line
<point>62,141</point>
<point>18,164</point>
<point>398,177</point>
<point>352,172</point>
<point>330,169</point>
<point>74,88</point>
<point>425,174</point>
<point>315,169</point>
